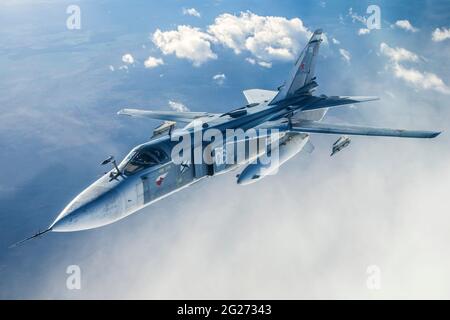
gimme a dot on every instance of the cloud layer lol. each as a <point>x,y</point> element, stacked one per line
<point>345,55</point>
<point>414,77</point>
<point>398,54</point>
<point>127,58</point>
<point>265,38</point>
<point>153,62</point>
<point>363,31</point>
<point>177,106</point>
<point>191,12</point>
<point>219,78</point>
<point>405,25</point>
<point>187,43</point>
<point>440,34</point>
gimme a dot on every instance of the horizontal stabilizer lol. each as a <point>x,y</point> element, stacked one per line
<point>259,95</point>
<point>165,115</point>
<point>320,127</point>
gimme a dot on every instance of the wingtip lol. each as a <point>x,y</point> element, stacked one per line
<point>123,112</point>
<point>435,134</point>
<point>358,99</point>
<point>370,98</point>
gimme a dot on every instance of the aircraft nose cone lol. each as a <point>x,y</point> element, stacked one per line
<point>63,221</point>
<point>90,209</point>
<point>74,220</point>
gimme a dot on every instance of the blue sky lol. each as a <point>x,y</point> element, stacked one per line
<point>60,90</point>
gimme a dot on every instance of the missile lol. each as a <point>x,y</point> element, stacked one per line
<point>340,144</point>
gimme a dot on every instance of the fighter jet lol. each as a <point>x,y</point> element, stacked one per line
<point>149,172</point>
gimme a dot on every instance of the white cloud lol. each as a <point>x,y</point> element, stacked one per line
<point>345,55</point>
<point>422,80</point>
<point>268,38</point>
<point>398,54</point>
<point>177,106</point>
<point>219,78</point>
<point>153,62</point>
<point>187,43</point>
<point>440,34</point>
<point>128,58</point>
<point>191,12</point>
<point>265,64</point>
<point>250,60</point>
<point>414,77</point>
<point>405,25</point>
<point>335,41</point>
<point>355,17</point>
<point>111,67</point>
<point>363,31</point>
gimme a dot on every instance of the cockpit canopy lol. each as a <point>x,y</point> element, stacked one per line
<point>142,158</point>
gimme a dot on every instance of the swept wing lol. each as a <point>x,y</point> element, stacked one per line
<point>166,115</point>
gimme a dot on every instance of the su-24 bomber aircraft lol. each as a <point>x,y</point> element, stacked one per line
<point>148,173</point>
